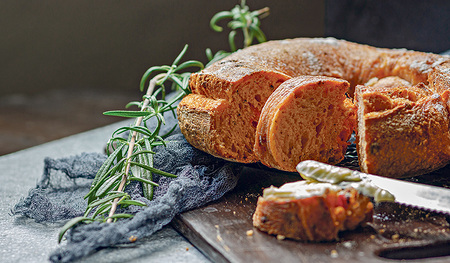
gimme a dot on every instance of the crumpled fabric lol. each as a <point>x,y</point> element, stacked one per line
<point>201,178</point>
<point>59,193</point>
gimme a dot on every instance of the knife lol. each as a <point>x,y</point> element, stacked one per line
<point>436,199</point>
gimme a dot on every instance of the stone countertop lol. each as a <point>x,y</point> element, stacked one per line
<point>24,240</point>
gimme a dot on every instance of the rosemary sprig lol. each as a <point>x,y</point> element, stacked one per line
<point>131,159</point>
<point>241,18</point>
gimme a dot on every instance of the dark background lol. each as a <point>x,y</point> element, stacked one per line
<point>413,24</point>
<point>65,62</point>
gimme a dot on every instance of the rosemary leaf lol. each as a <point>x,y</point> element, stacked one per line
<point>116,216</point>
<point>178,58</point>
<point>88,211</point>
<point>217,17</point>
<point>102,173</point>
<point>118,140</point>
<point>172,68</point>
<point>94,187</point>
<point>161,140</point>
<point>107,199</point>
<point>190,63</point>
<point>71,223</point>
<point>127,114</point>
<point>258,33</point>
<point>108,162</point>
<point>142,152</point>
<point>231,37</point>
<point>146,159</point>
<point>143,130</point>
<point>176,81</point>
<point>108,185</point>
<point>101,209</point>
<point>154,170</point>
<point>134,103</point>
<point>148,189</point>
<point>149,72</point>
<point>126,202</point>
<point>143,180</point>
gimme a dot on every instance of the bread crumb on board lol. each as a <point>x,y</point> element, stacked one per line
<point>280,237</point>
<point>395,237</point>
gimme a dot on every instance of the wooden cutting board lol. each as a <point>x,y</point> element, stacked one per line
<point>223,231</point>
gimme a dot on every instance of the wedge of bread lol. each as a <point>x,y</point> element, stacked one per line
<point>306,118</point>
<point>403,130</point>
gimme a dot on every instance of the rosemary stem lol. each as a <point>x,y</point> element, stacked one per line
<point>246,35</point>
<point>138,122</point>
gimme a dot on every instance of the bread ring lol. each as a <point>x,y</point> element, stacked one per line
<point>222,114</point>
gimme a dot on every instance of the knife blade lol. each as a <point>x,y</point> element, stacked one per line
<point>414,194</point>
<point>433,198</point>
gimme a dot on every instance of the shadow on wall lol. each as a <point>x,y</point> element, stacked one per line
<point>108,45</point>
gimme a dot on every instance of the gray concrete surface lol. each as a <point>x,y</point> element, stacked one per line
<point>23,240</point>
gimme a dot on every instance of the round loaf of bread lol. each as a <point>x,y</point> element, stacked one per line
<point>222,113</point>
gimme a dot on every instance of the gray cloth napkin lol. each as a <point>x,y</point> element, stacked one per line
<point>59,195</point>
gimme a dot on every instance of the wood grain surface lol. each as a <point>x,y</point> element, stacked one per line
<point>223,231</point>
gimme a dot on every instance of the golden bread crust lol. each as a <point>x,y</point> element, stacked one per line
<point>316,218</point>
<point>235,124</point>
<point>404,131</point>
<point>246,79</point>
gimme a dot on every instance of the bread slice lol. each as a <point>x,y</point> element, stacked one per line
<point>311,212</point>
<point>224,124</point>
<point>306,118</point>
<point>403,130</point>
